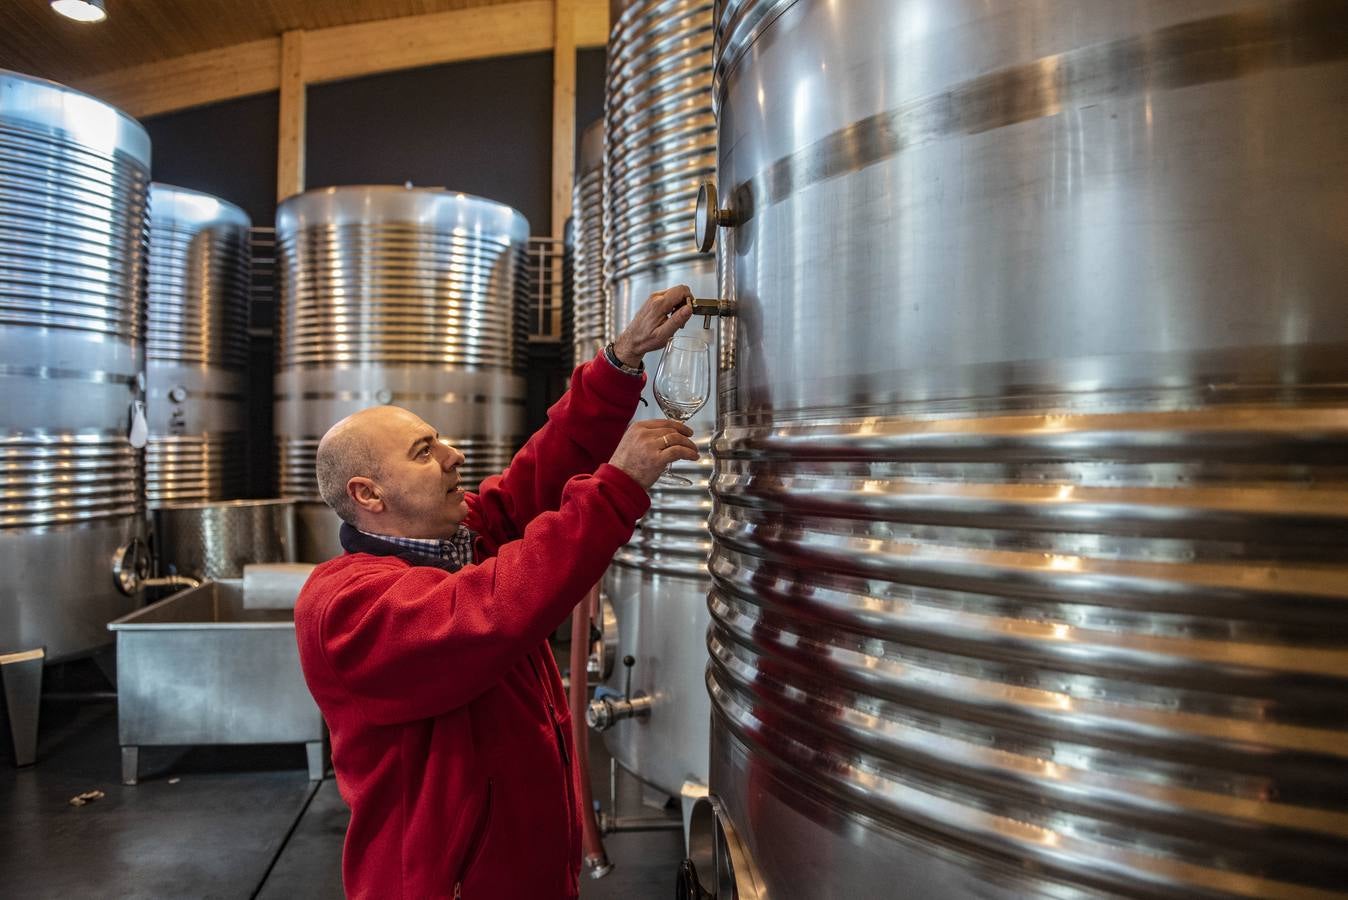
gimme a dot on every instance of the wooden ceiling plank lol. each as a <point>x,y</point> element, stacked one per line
<point>36,40</point>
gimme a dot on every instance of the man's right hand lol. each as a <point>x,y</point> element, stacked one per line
<point>649,446</point>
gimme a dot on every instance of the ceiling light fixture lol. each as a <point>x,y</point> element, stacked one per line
<point>81,10</point>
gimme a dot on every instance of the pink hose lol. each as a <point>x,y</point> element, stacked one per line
<point>595,857</point>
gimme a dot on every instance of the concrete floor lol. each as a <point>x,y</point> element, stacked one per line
<point>217,822</point>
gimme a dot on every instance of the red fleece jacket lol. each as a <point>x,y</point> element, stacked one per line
<point>450,730</point>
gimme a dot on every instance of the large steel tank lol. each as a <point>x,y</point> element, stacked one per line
<point>660,144</point>
<point>74,178</point>
<point>1030,519</point>
<point>196,348</point>
<point>590,329</point>
<point>408,296</point>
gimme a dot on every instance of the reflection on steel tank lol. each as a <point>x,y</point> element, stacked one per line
<point>413,297</point>
<point>197,347</point>
<point>1030,519</point>
<point>659,138</point>
<point>74,179</point>
<point>590,311</point>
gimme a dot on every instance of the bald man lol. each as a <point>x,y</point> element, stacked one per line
<point>425,643</point>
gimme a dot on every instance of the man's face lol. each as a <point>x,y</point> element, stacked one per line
<point>418,478</point>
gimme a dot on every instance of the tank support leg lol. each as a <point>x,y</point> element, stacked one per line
<point>314,751</point>
<point>21,673</point>
<point>130,764</point>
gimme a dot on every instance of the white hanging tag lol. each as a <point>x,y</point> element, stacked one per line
<point>139,433</point>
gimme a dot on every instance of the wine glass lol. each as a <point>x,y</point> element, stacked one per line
<point>682,385</point>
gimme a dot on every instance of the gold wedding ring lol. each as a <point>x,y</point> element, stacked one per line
<point>666,442</point>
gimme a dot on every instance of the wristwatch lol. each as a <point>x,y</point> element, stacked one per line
<point>612,356</point>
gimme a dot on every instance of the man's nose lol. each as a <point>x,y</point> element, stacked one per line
<point>449,457</point>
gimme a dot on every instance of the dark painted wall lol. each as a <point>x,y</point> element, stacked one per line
<point>481,127</point>
<point>227,149</point>
<point>590,72</point>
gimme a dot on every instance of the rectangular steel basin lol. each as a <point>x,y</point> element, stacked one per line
<point>200,668</point>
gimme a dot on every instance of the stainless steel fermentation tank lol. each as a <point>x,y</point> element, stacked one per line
<point>197,347</point>
<point>1030,513</point>
<point>590,310</point>
<point>74,176</point>
<point>407,296</point>
<point>660,144</point>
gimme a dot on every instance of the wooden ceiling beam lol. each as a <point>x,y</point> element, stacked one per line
<point>591,24</point>
<point>480,33</point>
<point>563,111</point>
<point>291,129</point>
<point>191,80</point>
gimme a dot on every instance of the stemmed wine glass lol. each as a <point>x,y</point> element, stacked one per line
<point>682,385</point>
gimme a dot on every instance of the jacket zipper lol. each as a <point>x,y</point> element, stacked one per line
<point>475,846</point>
<point>552,714</point>
<point>573,838</point>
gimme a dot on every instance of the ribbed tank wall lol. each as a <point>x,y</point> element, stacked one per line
<point>1030,512</point>
<point>413,297</point>
<point>659,136</point>
<point>568,336</point>
<point>197,348</point>
<point>591,329</point>
<point>74,177</point>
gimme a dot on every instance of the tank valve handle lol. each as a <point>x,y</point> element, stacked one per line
<point>708,217</point>
<point>131,566</point>
<point>606,710</point>
<point>628,662</point>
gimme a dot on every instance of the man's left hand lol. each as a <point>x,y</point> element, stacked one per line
<point>663,313</point>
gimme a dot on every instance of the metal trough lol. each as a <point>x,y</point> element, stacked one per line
<point>201,668</point>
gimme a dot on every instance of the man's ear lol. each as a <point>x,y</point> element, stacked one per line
<point>365,493</point>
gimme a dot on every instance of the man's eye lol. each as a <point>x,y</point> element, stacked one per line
<point>425,451</point>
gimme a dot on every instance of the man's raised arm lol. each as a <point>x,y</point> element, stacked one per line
<point>583,428</point>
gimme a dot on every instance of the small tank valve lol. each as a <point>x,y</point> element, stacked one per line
<point>607,709</point>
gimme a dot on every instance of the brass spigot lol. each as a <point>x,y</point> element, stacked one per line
<point>715,306</point>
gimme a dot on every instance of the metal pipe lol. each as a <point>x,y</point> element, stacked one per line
<point>596,860</point>
<point>176,581</point>
<point>609,823</point>
<point>603,713</point>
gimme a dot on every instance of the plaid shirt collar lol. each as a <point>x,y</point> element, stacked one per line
<point>457,549</point>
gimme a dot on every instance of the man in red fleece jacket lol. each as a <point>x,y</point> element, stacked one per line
<point>425,644</point>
